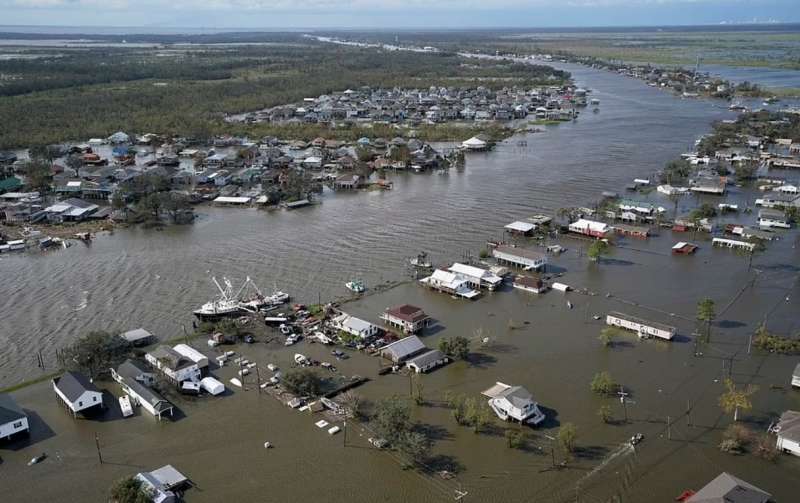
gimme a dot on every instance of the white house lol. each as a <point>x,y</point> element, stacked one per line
<point>796,376</point>
<point>426,361</point>
<point>135,381</point>
<point>161,483</point>
<point>521,257</point>
<point>13,419</point>
<point>194,355</point>
<point>643,328</point>
<point>173,364</point>
<point>355,326</point>
<point>768,218</point>
<point>410,319</point>
<point>77,392</point>
<point>518,227</point>
<point>514,403</point>
<point>589,228</point>
<point>788,432</point>
<point>476,277</point>
<point>450,282</point>
<point>726,488</point>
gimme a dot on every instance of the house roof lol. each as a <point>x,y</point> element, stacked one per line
<point>520,226</point>
<point>136,335</point>
<point>728,489</point>
<point>788,426</point>
<point>427,358</point>
<point>403,348</point>
<point>520,252</point>
<point>9,410</point>
<point>518,396</point>
<point>129,370</point>
<point>74,384</point>
<point>407,312</point>
<point>170,358</point>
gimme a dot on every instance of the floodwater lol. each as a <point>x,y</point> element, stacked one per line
<point>153,279</point>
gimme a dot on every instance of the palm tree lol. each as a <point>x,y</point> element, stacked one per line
<point>734,399</point>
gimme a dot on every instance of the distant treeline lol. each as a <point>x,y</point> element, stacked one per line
<point>93,93</point>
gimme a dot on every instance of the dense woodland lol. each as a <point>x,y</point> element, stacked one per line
<point>185,90</point>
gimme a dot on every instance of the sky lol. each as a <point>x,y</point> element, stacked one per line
<point>391,14</point>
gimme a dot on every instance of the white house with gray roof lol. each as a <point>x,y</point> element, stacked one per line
<point>135,380</point>
<point>354,326</point>
<point>13,419</point>
<point>728,489</point>
<point>514,403</point>
<point>77,392</point>
<point>788,431</point>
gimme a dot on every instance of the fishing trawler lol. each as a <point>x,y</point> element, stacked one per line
<point>247,300</point>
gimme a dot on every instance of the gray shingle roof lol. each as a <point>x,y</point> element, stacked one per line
<point>728,489</point>
<point>426,359</point>
<point>402,349</point>
<point>518,396</point>
<point>9,410</point>
<point>74,384</point>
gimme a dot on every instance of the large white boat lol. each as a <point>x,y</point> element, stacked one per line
<point>247,300</point>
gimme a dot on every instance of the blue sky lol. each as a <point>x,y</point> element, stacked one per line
<point>388,14</point>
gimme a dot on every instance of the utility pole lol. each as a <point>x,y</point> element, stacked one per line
<point>622,394</point>
<point>97,445</point>
<point>688,411</point>
<point>185,335</point>
<point>258,377</point>
<point>669,429</point>
<point>344,437</point>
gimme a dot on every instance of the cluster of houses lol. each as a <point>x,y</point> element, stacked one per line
<point>431,106</point>
<point>229,171</point>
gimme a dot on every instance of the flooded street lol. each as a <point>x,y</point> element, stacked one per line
<point>154,279</point>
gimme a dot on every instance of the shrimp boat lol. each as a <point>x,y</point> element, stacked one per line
<point>421,261</point>
<point>247,300</point>
<point>356,285</point>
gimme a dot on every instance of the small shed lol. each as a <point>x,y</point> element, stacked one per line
<point>138,337</point>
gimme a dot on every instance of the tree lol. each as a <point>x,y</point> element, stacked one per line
<point>456,347</point>
<point>597,250</point>
<point>734,399</point>
<point>604,412</point>
<point>392,419</point>
<point>353,404</point>
<point>567,435</point>
<point>304,382</point>
<point>477,414</point>
<point>765,447</point>
<point>38,175</point>
<point>735,438</point>
<point>95,353</point>
<point>75,163</point>
<point>706,314</point>
<point>607,336</point>
<point>602,383</point>
<point>129,490</point>
<point>514,439</point>
<point>419,387</point>
<point>414,445</point>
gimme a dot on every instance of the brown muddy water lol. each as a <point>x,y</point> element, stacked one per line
<point>153,279</point>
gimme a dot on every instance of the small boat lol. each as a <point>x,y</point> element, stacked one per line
<point>236,382</point>
<point>38,459</point>
<point>356,286</point>
<point>421,261</point>
<point>569,305</point>
<point>300,359</point>
<point>125,406</point>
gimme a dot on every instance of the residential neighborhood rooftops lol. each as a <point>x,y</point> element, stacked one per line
<point>728,489</point>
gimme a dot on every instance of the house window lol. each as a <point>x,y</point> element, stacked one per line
<point>16,425</point>
<point>80,404</point>
<point>94,398</point>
